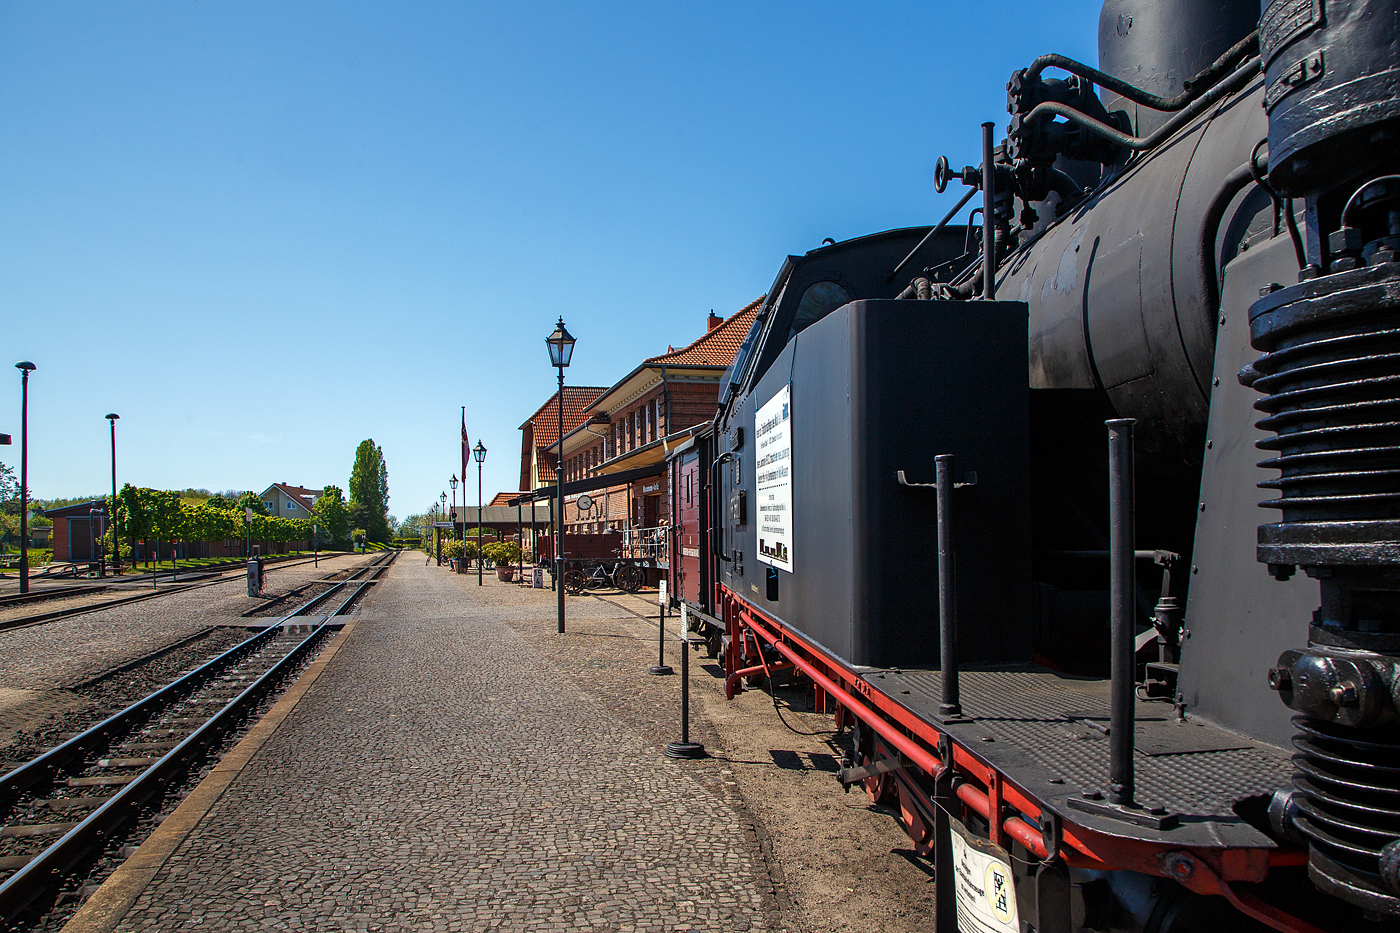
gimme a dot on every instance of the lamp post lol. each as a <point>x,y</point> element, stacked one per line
<point>112,418</point>
<point>453,483</point>
<point>25,367</point>
<point>561,350</point>
<point>479,452</point>
<point>442,507</point>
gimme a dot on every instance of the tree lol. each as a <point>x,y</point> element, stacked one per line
<point>331,516</point>
<point>250,500</point>
<point>369,487</point>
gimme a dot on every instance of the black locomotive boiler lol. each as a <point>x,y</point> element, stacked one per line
<point>995,491</point>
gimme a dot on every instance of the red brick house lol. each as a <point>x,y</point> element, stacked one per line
<point>632,424</point>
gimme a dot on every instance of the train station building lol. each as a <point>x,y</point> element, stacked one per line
<point>615,444</point>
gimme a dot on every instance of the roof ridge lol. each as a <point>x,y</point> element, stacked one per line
<point>722,332</point>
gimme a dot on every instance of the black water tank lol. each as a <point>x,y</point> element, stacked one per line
<point>1332,89</point>
<point>1159,44</point>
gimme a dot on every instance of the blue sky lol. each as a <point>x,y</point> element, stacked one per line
<point>262,232</point>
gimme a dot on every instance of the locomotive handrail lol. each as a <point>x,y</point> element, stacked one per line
<point>716,545</point>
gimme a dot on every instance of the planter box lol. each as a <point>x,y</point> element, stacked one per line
<point>505,574</point>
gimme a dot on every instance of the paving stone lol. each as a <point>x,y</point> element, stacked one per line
<point>442,774</point>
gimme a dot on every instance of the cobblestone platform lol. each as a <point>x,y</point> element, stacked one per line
<point>443,775</point>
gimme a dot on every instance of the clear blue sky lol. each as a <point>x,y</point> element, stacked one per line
<point>262,232</point>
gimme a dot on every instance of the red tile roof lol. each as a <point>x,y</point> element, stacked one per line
<point>719,346</point>
<point>503,498</point>
<point>546,419</point>
<point>298,493</point>
<point>544,427</point>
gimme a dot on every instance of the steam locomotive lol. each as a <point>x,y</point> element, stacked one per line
<point>994,490</point>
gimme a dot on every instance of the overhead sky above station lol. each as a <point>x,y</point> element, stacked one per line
<point>262,232</point>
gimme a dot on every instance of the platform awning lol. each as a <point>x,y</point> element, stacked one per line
<point>593,482</point>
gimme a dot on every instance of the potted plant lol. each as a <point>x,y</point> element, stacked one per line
<point>504,554</point>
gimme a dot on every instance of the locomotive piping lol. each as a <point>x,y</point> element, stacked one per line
<point>989,193</point>
<point>1142,143</point>
<point>1194,87</point>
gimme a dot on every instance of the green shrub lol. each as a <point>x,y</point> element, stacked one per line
<point>503,553</point>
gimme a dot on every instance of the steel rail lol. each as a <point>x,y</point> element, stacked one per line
<point>28,883</point>
<point>58,614</point>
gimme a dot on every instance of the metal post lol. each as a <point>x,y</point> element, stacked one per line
<point>661,667</point>
<point>559,516</point>
<point>24,369</point>
<point>480,556</point>
<point>951,704</point>
<point>989,175</point>
<point>520,540</point>
<point>315,548</point>
<point>1122,588</point>
<point>685,748</point>
<point>116,548</point>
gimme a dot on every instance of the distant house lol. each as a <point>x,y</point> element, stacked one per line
<point>76,529</point>
<point>286,501</point>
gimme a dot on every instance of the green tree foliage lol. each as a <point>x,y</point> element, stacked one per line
<point>331,516</point>
<point>167,515</point>
<point>146,514</point>
<point>369,488</point>
<point>250,500</point>
<point>9,505</point>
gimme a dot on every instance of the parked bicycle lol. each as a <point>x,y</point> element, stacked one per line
<point>620,574</point>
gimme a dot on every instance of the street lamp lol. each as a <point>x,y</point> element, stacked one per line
<point>479,452</point>
<point>453,483</point>
<point>112,418</point>
<point>442,503</point>
<point>25,367</point>
<point>561,350</point>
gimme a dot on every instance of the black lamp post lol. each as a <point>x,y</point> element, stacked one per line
<point>479,452</point>
<point>453,483</point>
<point>442,507</point>
<point>112,418</point>
<point>25,367</point>
<point>561,350</point>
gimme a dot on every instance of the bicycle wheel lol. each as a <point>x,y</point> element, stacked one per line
<point>630,578</point>
<point>574,581</point>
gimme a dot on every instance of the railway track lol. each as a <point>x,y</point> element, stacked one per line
<point>79,800</point>
<point>55,615</point>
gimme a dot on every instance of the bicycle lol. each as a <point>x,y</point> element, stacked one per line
<point>623,575</point>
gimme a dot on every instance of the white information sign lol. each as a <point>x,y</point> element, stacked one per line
<point>986,894</point>
<point>773,469</point>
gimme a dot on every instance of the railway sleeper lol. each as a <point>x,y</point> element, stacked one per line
<point>36,829</point>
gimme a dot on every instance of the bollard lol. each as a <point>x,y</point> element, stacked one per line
<point>661,667</point>
<point>685,748</point>
<point>951,704</point>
